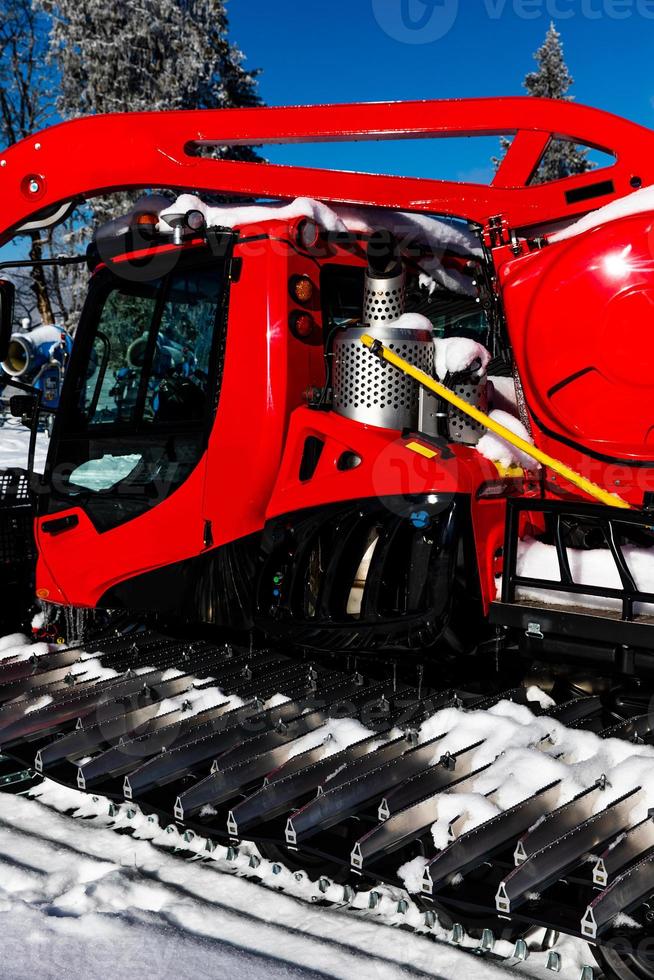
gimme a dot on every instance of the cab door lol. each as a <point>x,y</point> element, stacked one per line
<point>124,483</point>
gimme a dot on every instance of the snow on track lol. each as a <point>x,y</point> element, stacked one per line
<point>140,886</point>
<point>80,900</point>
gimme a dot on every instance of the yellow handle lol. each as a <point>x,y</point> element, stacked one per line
<point>610,499</point>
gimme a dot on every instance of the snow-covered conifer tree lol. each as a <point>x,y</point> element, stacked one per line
<point>552,80</point>
<point>141,55</point>
<point>146,55</point>
<point>25,106</point>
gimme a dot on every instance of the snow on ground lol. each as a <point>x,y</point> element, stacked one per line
<point>14,445</point>
<point>104,900</point>
<point>79,900</point>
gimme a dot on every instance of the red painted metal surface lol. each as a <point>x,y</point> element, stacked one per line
<point>266,373</point>
<point>250,471</point>
<point>580,320</point>
<point>102,153</point>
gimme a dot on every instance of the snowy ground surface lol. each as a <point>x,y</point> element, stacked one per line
<point>14,445</point>
<point>78,900</point>
<point>81,901</point>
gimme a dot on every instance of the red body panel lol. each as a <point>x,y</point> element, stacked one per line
<point>250,472</point>
<point>102,153</point>
<point>580,316</point>
<point>266,374</point>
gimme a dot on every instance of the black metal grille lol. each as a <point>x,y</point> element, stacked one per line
<point>17,547</point>
<point>14,488</point>
<point>312,567</point>
<point>564,521</point>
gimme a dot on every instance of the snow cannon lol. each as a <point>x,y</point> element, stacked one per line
<point>38,357</point>
<point>169,356</point>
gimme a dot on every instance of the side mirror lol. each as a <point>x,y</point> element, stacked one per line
<point>22,406</point>
<point>7,298</point>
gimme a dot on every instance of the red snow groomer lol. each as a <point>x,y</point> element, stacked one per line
<point>352,483</point>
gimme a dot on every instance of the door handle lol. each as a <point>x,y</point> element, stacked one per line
<point>60,524</point>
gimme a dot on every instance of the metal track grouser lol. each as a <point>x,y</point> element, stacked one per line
<point>345,536</point>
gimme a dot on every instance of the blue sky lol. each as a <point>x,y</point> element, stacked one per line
<point>370,50</point>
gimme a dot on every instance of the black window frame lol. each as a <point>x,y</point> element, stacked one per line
<point>68,426</point>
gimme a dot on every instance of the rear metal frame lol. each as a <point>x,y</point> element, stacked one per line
<point>152,149</point>
<point>606,520</point>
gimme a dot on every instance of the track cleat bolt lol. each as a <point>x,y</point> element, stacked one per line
<point>600,875</point>
<point>521,951</point>
<point>427,884</point>
<point>458,934</point>
<point>277,869</point>
<point>300,876</point>
<point>402,907</point>
<point>487,941</point>
<point>502,903</point>
<point>554,962</point>
<point>291,836</point>
<point>254,861</point>
<point>374,900</point>
<point>232,855</point>
<point>113,810</point>
<point>189,836</point>
<point>587,973</point>
<point>349,894</point>
<point>588,924</point>
<point>430,918</point>
<point>324,885</point>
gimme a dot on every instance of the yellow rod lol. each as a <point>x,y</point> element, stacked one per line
<point>592,489</point>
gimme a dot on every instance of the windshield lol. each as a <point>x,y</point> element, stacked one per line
<point>140,390</point>
<point>151,351</point>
